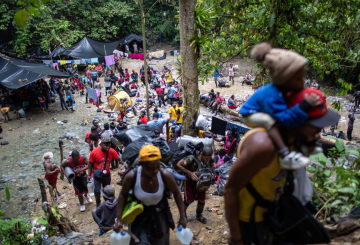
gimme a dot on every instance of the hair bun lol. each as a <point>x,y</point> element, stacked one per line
<point>260,51</point>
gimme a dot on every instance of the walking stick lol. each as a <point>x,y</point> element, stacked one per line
<point>61,143</point>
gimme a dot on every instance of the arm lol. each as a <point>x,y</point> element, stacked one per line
<point>86,162</point>
<point>241,173</point>
<point>122,200</point>
<point>90,164</point>
<point>64,165</point>
<point>181,165</point>
<point>48,171</point>
<point>172,186</point>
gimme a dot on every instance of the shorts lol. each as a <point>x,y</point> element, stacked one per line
<point>79,187</point>
<point>190,193</point>
<point>43,105</point>
<point>259,120</point>
<point>232,106</point>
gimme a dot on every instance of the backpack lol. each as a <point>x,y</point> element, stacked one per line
<point>220,161</point>
<point>204,174</point>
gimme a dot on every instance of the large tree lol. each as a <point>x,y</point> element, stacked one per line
<point>189,71</point>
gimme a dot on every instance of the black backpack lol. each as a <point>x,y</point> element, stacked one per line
<point>288,219</point>
<point>204,174</point>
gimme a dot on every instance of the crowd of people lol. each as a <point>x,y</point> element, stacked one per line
<point>284,129</point>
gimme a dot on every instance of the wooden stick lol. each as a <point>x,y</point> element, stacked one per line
<point>61,143</point>
<point>42,190</point>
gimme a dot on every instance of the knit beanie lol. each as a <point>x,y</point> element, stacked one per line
<point>282,64</point>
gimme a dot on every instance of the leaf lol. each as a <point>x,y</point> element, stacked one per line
<point>7,192</point>
<point>339,145</point>
<point>320,157</point>
<point>21,3</point>
<point>352,151</point>
<point>33,11</point>
<point>21,18</point>
<point>272,20</point>
<point>346,190</point>
<point>2,213</point>
<point>327,173</point>
<point>335,203</point>
<point>35,3</point>
<point>45,1</point>
<point>42,221</point>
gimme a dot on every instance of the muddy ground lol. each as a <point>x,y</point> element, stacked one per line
<point>20,161</point>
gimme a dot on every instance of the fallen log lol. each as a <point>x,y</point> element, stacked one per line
<point>225,109</point>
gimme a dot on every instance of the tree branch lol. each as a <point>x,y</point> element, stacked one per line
<point>151,7</point>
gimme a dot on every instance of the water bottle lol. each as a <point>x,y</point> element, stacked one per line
<point>184,235</point>
<point>121,238</point>
<point>90,187</point>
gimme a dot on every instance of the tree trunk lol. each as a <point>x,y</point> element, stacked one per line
<point>61,143</point>
<point>225,109</point>
<point>141,2</point>
<point>42,190</point>
<point>189,72</point>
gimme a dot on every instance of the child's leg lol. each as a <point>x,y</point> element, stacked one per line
<point>278,141</point>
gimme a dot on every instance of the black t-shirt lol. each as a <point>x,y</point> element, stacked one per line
<point>351,122</point>
<point>212,95</point>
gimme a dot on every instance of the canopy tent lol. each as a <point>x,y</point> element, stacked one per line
<point>130,39</point>
<point>16,73</point>
<point>88,48</point>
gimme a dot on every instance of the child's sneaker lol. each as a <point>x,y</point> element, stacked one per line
<point>87,198</point>
<point>82,208</point>
<point>294,160</point>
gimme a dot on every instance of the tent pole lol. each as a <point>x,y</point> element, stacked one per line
<point>141,2</point>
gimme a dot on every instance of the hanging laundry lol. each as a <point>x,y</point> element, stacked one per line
<point>87,61</point>
<point>218,126</point>
<point>92,95</point>
<point>68,61</point>
<point>62,62</point>
<point>47,62</point>
<point>77,62</point>
<point>94,60</point>
<point>110,60</point>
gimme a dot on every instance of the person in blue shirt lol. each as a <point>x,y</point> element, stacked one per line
<point>160,115</point>
<point>157,124</point>
<point>216,77</point>
<point>267,107</point>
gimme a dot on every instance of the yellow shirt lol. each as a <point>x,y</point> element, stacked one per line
<point>268,182</point>
<point>92,67</point>
<point>122,107</point>
<point>180,117</point>
<point>172,113</point>
<point>5,110</point>
<point>168,77</point>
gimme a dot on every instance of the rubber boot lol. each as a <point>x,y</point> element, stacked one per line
<point>199,210</point>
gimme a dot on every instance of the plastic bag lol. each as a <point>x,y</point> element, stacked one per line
<point>223,171</point>
<point>131,151</point>
<point>201,122</point>
<point>133,134</point>
<point>166,152</point>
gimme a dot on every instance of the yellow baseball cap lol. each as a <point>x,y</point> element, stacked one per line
<point>149,153</point>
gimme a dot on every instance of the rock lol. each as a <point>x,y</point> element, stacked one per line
<point>24,207</point>
<point>36,166</point>
<point>75,238</point>
<point>2,181</point>
<point>36,131</point>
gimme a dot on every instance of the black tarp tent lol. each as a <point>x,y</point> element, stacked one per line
<point>88,48</point>
<point>15,73</point>
<point>130,39</point>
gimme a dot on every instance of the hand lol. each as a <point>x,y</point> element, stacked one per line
<point>121,171</point>
<point>77,171</point>
<point>182,222</point>
<point>118,226</point>
<point>88,178</point>
<point>312,99</point>
<point>194,176</point>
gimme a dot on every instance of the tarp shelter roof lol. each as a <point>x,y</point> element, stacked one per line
<point>16,73</point>
<point>130,38</point>
<point>88,48</point>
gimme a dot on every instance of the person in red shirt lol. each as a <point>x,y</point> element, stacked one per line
<point>88,73</point>
<point>142,119</point>
<point>87,137</point>
<point>218,101</point>
<point>160,93</point>
<point>100,159</point>
<point>79,164</point>
<point>99,70</point>
<point>127,75</point>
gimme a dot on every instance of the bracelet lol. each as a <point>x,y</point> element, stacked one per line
<point>234,242</point>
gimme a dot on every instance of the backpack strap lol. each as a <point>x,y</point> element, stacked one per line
<point>133,182</point>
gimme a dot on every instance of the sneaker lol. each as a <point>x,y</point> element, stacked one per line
<point>88,199</point>
<point>131,210</point>
<point>82,208</point>
<point>294,160</point>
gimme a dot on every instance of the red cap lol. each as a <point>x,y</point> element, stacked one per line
<point>319,116</point>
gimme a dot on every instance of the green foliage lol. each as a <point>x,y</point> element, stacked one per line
<point>325,32</point>
<point>337,185</point>
<point>15,231</point>
<point>68,21</point>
